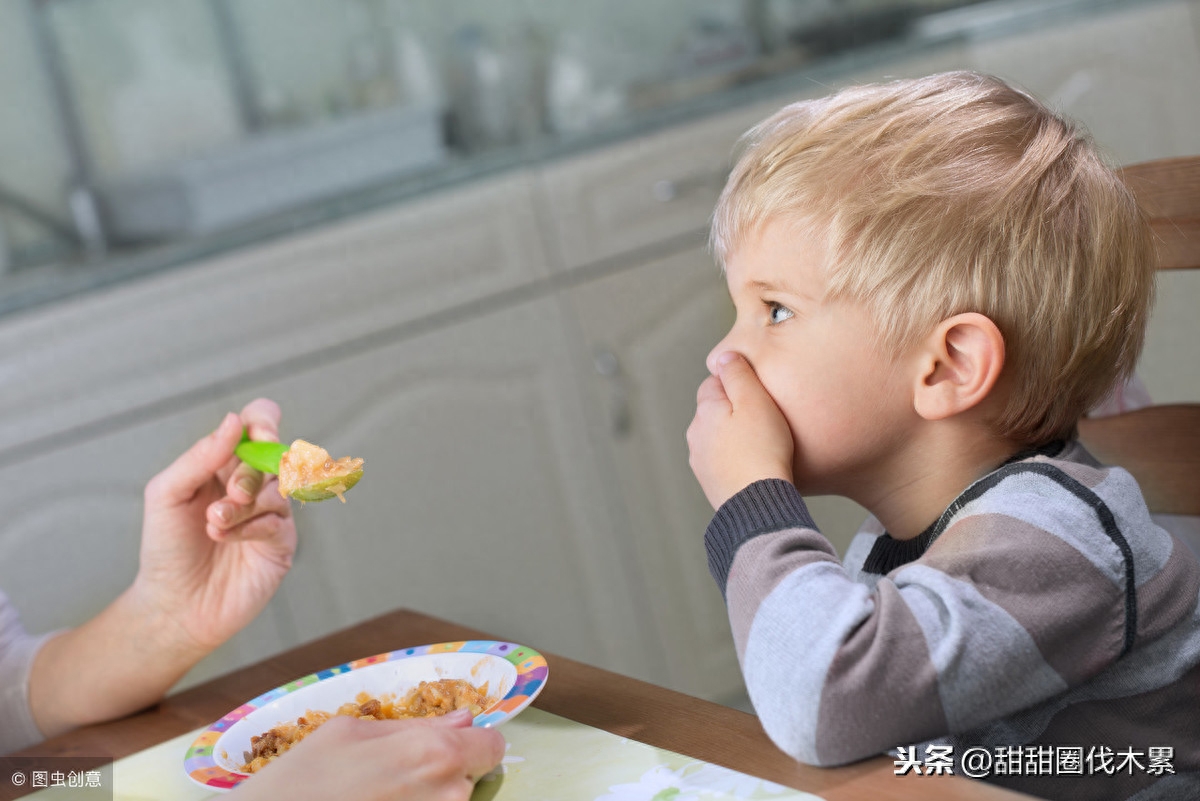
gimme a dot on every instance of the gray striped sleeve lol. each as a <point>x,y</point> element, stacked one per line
<point>768,505</point>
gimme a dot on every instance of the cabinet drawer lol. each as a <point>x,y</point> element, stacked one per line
<point>285,304</point>
<point>644,191</point>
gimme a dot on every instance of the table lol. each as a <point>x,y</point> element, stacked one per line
<point>618,704</point>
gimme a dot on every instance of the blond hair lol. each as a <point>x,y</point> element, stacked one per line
<point>958,193</point>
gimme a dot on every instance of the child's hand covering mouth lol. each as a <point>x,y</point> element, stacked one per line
<point>738,435</point>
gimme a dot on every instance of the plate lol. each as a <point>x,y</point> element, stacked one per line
<point>515,672</point>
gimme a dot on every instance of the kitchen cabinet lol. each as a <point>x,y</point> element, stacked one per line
<point>516,359</point>
<point>651,193</point>
<point>476,503</point>
<point>421,338</point>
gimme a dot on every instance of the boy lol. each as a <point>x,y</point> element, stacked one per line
<point>934,279</point>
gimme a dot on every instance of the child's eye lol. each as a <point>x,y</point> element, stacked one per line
<point>777,313</point>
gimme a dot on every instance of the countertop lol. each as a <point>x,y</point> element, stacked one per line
<point>774,77</point>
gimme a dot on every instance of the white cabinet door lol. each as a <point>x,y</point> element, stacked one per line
<point>479,499</point>
<point>644,335</point>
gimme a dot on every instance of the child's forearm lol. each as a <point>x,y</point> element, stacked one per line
<point>120,661</point>
<point>792,607</point>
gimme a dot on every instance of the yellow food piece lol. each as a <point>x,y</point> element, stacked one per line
<point>308,473</point>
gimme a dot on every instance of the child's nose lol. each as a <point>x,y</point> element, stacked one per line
<point>723,346</point>
<point>710,361</point>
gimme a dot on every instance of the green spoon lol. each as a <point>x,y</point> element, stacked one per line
<point>262,456</point>
<point>265,456</point>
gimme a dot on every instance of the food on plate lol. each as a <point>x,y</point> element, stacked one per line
<point>308,473</point>
<point>428,699</point>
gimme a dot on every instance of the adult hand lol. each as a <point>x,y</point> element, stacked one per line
<point>434,759</point>
<point>217,537</point>
<point>216,541</point>
<point>738,435</point>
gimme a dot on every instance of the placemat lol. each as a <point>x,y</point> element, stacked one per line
<point>548,757</point>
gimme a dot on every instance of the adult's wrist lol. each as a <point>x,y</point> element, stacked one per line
<point>156,628</point>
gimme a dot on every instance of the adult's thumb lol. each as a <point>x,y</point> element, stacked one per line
<point>459,718</point>
<point>199,463</point>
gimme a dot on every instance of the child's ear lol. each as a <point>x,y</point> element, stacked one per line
<point>958,365</point>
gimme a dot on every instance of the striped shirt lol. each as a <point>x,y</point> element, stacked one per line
<point>1044,608</point>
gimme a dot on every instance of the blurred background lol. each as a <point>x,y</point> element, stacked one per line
<point>464,240</point>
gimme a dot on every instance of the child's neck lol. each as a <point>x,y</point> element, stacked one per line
<point>914,488</point>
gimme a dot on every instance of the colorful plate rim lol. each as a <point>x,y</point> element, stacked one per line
<point>200,760</point>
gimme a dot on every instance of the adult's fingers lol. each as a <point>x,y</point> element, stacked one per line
<point>226,514</point>
<point>261,418</point>
<point>197,465</point>
<point>457,719</point>
<point>264,527</point>
<point>477,750</point>
<point>243,484</point>
<point>484,746</point>
<point>482,749</point>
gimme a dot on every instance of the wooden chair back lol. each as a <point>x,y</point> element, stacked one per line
<point>1160,445</point>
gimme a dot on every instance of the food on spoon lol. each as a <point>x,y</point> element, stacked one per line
<point>308,473</point>
<point>426,700</point>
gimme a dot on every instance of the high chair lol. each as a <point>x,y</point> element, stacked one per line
<point>1160,445</point>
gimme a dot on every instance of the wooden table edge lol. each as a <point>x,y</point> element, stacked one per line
<point>583,693</point>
